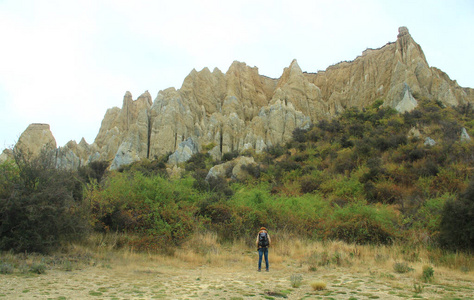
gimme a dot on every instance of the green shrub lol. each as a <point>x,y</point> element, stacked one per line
<point>201,184</point>
<point>160,210</point>
<point>6,268</point>
<point>197,161</point>
<point>9,176</point>
<point>457,223</point>
<point>230,155</point>
<point>428,273</point>
<point>38,268</point>
<point>43,208</point>
<point>219,186</point>
<point>252,169</point>
<point>362,224</point>
<point>309,184</point>
<point>299,135</point>
<point>402,267</point>
<point>96,170</point>
<point>296,280</point>
<point>418,288</point>
<point>276,151</point>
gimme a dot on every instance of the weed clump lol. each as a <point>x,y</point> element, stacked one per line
<point>401,267</point>
<point>428,273</point>
<point>6,268</point>
<point>296,280</point>
<point>418,288</point>
<point>38,268</point>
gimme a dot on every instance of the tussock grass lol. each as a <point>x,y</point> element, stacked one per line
<point>318,285</point>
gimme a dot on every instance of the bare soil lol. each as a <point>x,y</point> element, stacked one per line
<point>157,277</point>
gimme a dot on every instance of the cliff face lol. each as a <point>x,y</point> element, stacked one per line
<point>387,73</point>
<point>241,109</point>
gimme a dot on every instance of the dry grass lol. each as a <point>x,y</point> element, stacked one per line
<point>203,257</point>
<point>204,248</point>
<point>318,285</point>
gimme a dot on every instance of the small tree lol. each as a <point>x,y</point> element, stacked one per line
<point>41,208</point>
<point>457,223</point>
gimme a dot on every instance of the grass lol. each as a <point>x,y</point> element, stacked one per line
<point>318,285</point>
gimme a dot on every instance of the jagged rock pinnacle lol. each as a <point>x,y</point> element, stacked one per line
<point>402,31</point>
<point>241,109</point>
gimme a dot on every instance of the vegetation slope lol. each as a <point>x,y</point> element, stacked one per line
<point>369,176</point>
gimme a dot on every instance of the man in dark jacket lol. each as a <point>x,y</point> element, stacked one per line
<point>263,242</point>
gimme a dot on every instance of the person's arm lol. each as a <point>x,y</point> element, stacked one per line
<point>269,240</point>
<point>256,242</point>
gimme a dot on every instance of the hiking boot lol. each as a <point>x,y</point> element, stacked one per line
<point>266,270</point>
<point>259,270</point>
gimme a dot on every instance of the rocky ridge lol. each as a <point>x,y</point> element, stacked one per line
<point>241,109</point>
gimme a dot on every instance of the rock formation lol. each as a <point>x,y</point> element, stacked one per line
<point>241,109</point>
<point>35,139</point>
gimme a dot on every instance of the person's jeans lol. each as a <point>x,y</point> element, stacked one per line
<point>262,251</point>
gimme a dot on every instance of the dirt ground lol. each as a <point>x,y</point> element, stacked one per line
<point>160,278</point>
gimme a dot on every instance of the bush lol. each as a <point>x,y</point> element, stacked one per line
<point>160,211</point>
<point>149,167</point>
<point>401,267</point>
<point>299,135</point>
<point>38,268</point>
<point>333,127</point>
<point>309,184</point>
<point>93,171</point>
<point>197,161</point>
<point>252,169</point>
<point>276,151</point>
<point>457,223</point>
<point>6,268</point>
<point>201,184</point>
<point>428,273</point>
<point>288,165</point>
<point>362,224</point>
<point>43,207</point>
<point>220,186</point>
<point>230,155</point>
<point>296,280</point>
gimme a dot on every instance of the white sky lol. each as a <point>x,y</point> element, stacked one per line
<point>66,62</point>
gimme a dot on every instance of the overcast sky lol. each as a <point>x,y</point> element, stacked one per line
<point>66,62</point>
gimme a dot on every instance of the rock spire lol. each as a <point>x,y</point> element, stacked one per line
<point>241,109</point>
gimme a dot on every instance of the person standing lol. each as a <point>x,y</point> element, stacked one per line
<point>263,242</point>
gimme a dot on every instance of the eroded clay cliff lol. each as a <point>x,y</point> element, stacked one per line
<point>241,109</point>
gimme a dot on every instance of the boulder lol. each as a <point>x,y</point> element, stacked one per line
<point>429,142</point>
<point>238,172</point>
<point>407,102</point>
<point>184,152</point>
<point>465,136</point>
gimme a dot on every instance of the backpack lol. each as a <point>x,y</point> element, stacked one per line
<point>263,240</point>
